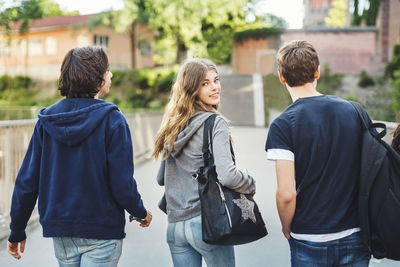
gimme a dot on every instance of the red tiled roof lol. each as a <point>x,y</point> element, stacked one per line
<point>56,22</point>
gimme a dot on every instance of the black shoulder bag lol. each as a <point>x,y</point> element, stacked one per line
<point>228,217</point>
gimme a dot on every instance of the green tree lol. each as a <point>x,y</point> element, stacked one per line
<point>394,65</point>
<point>53,9</point>
<point>181,22</point>
<point>135,12</point>
<point>356,19</point>
<point>218,37</point>
<point>24,11</point>
<point>371,13</point>
<point>337,14</point>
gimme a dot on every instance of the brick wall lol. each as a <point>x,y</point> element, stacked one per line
<point>348,50</point>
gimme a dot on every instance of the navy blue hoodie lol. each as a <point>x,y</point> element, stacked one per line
<point>79,165</point>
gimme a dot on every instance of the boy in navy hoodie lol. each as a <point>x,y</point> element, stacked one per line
<point>316,144</point>
<point>79,165</point>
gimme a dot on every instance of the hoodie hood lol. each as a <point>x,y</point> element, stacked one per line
<point>72,120</point>
<point>186,134</point>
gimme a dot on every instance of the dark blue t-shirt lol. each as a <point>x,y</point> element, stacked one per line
<point>322,135</point>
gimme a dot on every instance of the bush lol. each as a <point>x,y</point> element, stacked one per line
<point>257,33</point>
<point>365,80</point>
<point>6,82</point>
<point>139,99</point>
<point>396,91</point>
<point>351,98</point>
<point>394,64</point>
<point>164,83</point>
<point>276,95</point>
<point>139,78</point>
<point>22,82</point>
<point>117,77</point>
<point>17,82</point>
<point>328,83</point>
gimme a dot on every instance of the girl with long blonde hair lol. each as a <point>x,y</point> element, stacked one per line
<point>396,139</point>
<point>195,96</point>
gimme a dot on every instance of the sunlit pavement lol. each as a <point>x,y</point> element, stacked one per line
<point>147,247</point>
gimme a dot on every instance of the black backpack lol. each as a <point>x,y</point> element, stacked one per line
<point>379,196</point>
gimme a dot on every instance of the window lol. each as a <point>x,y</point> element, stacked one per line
<point>51,46</point>
<point>4,48</point>
<point>35,47</point>
<point>145,48</point>
<point>102,41</point>
<point>23,47</point>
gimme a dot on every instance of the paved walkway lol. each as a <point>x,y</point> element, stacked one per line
<point>147,247</point>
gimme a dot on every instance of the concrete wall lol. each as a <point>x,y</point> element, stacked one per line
<point>237,99</point>
<point>255,56</point>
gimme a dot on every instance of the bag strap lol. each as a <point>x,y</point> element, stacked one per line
<point>207,140</point>
<point>367,125</point>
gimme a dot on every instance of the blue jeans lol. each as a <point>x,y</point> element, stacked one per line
<point>75,252</point>
<point>187,247</point>
<point>347,251</point>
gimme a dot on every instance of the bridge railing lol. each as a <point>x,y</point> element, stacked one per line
<point>14,141</point>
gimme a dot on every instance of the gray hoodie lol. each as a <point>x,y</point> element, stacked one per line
<point>181,190</point>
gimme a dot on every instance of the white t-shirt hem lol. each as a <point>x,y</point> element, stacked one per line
<point>325,237</point>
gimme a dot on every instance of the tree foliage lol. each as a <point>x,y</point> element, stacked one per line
<point>356,19</point>
<point>195,25</point>
<point>24,11</point>
<point>256,33</point>
<point>371,13</point>
<point>393,65</point>
<point>135,12</point>
<point>337,14</point>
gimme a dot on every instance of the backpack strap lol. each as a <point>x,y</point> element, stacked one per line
<point>366,121</point>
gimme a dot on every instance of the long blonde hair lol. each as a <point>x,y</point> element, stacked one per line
<point>184,102</point>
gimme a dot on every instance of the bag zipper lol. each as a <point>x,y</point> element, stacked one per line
<point>224,201</point>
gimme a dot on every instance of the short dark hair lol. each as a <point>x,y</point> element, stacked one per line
<point>297,62</point>
<point>82,72</point>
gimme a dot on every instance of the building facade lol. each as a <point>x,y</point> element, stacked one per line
<point>39,52</point>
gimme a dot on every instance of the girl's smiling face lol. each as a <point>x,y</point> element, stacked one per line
<point>210,89</point>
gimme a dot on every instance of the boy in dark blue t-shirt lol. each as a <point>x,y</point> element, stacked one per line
<point>316,145</point>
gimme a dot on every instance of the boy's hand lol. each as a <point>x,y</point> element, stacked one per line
<point>12,248</point>
<point>143,222</point>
